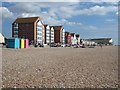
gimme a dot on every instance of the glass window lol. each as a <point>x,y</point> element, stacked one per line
<point>15,33</point>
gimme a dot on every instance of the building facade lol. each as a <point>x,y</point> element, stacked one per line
<point>33,29</point>
<point>48,34</point>
<point>59,34</point>
<point>30,28</point>
<point>73,38</point>
<point>68,38</point>
<point>52,35</point>
<point>98,41</point>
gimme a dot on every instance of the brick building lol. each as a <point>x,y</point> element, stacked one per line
<point>68,38</point>
<point>31,28</point>
<point>59,34</point>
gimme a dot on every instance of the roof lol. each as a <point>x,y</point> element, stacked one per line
<point>45,25</point>
<point>77,35</point>
<point>98,39</point>
<point>28,19</point>
<point>57,27</point>
<point>102,39</point>
<point>67,32</point>
<point>72,34</point>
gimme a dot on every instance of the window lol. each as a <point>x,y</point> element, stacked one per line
<point>15,33</point>
<point>15,25</point>
<point>16,36</point>
<point>15,29</point>
<point>38,38</point>
<point>38,33</point>
<point>52,37</point>
<point>52,34</point>
<point>39,29</point>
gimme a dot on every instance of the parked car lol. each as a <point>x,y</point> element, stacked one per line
<point>63,45</point>
<point>76,46</point>
<point>82,46</point>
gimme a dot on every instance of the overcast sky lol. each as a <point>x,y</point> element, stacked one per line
<point>93,19</point>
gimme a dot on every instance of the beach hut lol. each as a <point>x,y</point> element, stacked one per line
<point>22,45</point>
<point>13,43</point>
<point>26,43</point>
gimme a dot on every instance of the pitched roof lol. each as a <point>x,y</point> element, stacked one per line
<point>28,19</point>
<point>101,39</point>
<point>67,32</point>
<point>98,39</point>
<point>72,34</point>
<point>57,27</point>
<point>45,25</point>
<point>77,35</point>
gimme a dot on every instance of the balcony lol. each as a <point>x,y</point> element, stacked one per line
<point>52,30</point>
<point>39,31</point>
<point>47,41</point>
<point>39,36</point>
<point>15,31</point>
<point>39,27</point>
<point>52,36</point>
<point>47,35</point>
<point>47,38</point>
<point>47,31</point>
<point>39,40</point>
<point>16,36</point>
<point>15,27</point>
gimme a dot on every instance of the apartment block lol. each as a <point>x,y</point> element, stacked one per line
<point>68,38</point>
<point>31,28</point>
<point>48,34</point>
<point>52,35</point>
<point>59,34</point>
<point>73,38</point>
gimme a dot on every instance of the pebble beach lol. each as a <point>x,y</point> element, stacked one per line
<point>60,67</point>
